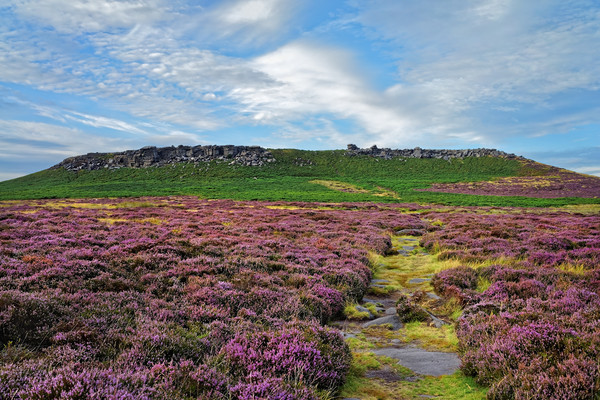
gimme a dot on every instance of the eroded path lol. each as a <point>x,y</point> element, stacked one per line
<point>398,356</point>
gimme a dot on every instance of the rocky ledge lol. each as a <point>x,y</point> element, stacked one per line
<point>418,152</point>
<point>157,156</point>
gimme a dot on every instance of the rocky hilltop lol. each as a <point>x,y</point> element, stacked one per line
<point>418,152</point>
<point>158,156</point>
<point>242,155</point>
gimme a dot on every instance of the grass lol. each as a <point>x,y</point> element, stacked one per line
<point>451,387</point>
<point>448,387</point>
<point>333,177</point>
<point>429,337</point>
<point>352,313</point>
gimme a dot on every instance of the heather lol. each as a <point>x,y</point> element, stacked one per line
<point>181,298</point>
<point>529,285</point>
<point>534,180</point>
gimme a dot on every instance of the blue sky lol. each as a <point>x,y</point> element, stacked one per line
<point>79,76</point>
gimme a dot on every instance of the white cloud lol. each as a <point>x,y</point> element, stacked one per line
<point>72,16</point>
<point>5,176</point>
<point>312,80</point>
<point>595,170</point>
<point>252,22</point>
<point>104,122</point>
<point>471,57</point>
<point>36,140</point>
<point>249,11</point>
<point>178,137</point>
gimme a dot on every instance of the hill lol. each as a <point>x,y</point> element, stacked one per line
<point>479,177</point>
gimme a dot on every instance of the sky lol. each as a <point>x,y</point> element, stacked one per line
<point>80,76</point>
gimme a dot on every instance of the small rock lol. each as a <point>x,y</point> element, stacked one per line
<point>379,281</point>
<point>379,286</point>
<point>372,301</point>
<point>419,280</point>
<point>422,361</point>
<point>347,335</point>
<point>393,320</point>
<point>386,374</point>
<point>438,323</point>
<point>433,296</point>
<point>365,309</point>
<point>390,311</point>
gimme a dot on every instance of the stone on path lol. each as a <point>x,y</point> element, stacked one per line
<point>393,320</point>
<point>364,309</point>
<point>421,361</point>
<point>347,335</point>
<point>433,296</point>
<point>378,286</point>
<point>419,280</point>
<point>379,281</point>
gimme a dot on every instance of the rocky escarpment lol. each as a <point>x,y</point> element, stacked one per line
<point>243,155</point>
<point>159,156</point>
<point>418,152</point>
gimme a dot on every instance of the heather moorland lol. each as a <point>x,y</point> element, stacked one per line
<point>180,298</point>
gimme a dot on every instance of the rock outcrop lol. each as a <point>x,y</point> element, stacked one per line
<point>243,155</point>
<point>418,152</point>
<point>158,156</point>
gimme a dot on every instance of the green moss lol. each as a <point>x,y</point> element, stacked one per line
<point>449,387</point>
<point>352,313</point>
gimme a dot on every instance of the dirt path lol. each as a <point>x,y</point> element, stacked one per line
<point>395,359</point>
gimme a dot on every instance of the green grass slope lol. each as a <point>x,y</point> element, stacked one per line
<point>332,177</point>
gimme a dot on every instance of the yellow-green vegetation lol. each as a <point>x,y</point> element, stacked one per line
<point>407,386</point>
<point>85,205</point>
<point>340,186</point>
<point>429,337</point>
<point>112,221</point>
<point>362,361</point>
<point>448,387</point>
<point>398,270</point>
<point>350,188</point>
<point>482,284</point>
<point>352,313</point>
<point>580,208</point>
<point>369,375</point>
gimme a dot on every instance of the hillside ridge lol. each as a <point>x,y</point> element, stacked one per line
<point>151,156</point>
